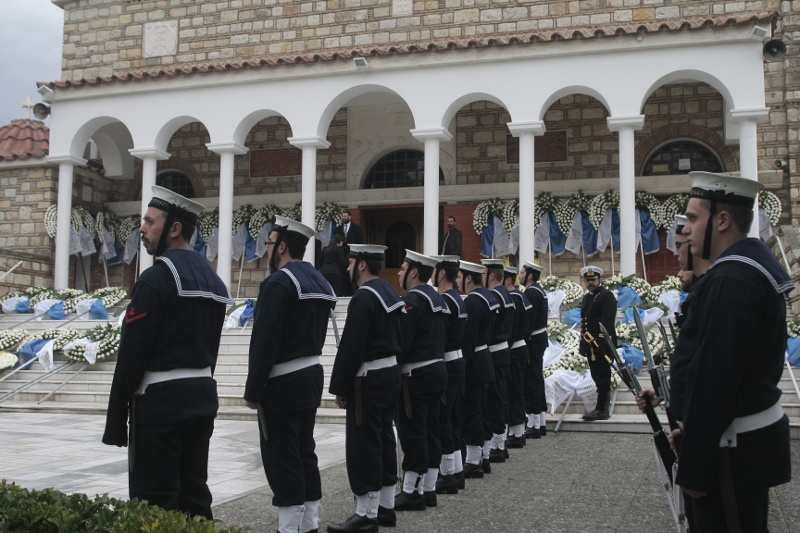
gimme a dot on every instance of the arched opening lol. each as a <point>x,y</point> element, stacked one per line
<point>177,182</point>
<point>401,168</point>
<point>680,157</point>
<point>399,237</point>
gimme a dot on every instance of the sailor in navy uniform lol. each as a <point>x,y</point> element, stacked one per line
<point>535,402</point>
<point>366,382</point>
<point>598,307</point>
<point>496,420</point>
<point>728,362</point>
<point>451,469</point>
<point>167,354</point>
<point>284,380</point>
<point>424,382</point>
<point>481,304</point>
<point>519,359</point>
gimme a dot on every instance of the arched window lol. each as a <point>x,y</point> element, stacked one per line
<point>680,157</point>
<point>176,182</point>
<point>399,237</point>
<point>402,168</point>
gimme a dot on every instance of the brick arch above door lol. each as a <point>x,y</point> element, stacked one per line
<point>690,132</point>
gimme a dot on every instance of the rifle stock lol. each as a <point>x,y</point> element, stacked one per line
<point>629,378</point>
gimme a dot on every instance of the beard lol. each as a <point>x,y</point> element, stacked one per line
<point>355,277</point>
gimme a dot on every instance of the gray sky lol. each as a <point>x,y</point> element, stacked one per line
<point>31,33</point>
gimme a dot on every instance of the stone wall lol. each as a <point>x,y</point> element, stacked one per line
<point>111,37</point>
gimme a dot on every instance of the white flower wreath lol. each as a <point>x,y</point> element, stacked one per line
<point>600,204</point>
<point>242,215</point>
<point>110,295</point>
<point>7,360</point>
<point>573,291</point>
<point>207,222</point>
<point>295,212</point>
<point>662,287</point>
<point>325,212</point>
<point>510,215</point>
<point>107,334</point>
<point>62,336</point>
<point>127,225</point>
<point>647,202</point>
<point>633,281</point>
<point>672,206</point>
<point>547,203</point>
<point>80,218</point>
<point>771,205</point>
<point>10,338</point>
<point>261,217</point>
<point>485,209</point>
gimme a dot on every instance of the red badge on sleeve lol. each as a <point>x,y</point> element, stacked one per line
<point>131,315</point>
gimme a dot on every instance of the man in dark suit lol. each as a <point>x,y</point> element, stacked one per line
<point>350,231</point>
<point>452,239</point>
<point>351,234</point>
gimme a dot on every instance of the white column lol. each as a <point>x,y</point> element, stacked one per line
<point>526,132</point>
<point>748,120</point>
<point>308,185</point>
<point>625,126</point>
<point>431,138</point>
<point>66,166</point>
<point>150,158</point>
<point>227,152</point>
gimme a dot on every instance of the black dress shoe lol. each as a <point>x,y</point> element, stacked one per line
<point>543,430</point>
<point>595,415</point>
<point>487,466</point>
<point>514,442</point>
<point>409,501</point>
<point>533,433</point>
<point>386,517</point>
<point>430,498</point>
<point>355,524</point>
<point>496,455</point>
<point>461,483</point>
<point>447,484</point>
<point>473,471</point>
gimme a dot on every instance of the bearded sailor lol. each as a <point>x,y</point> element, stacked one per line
<point>167,355</point>
<point>366,382</point>
<point>451,469</point>
<point>424,381</point>
<point>284,380</point>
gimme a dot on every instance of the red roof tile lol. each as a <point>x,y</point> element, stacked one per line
<point>23,139</point>
<point>483,41</point>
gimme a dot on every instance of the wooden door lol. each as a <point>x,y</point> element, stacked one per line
<point>397,228</point>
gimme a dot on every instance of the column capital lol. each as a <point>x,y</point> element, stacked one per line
<point>635,122</point>
<point>759,115</point>
<point>309,142</point>
<point>517,129</point>
<point>151,152</point>
<point>68,159</point>
<point>227,148</point>
<point>423,134</point>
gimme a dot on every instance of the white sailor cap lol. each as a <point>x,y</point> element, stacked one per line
<point>724,188</point>
<point>422,260</point>
<point>532,266</point>
<point>680,222</point>
<point>283,223</point>
<point>493,263</point>
<point>367,251</point>
<point>447,260</point>
<point>508,269</point>
<point>472,268</point>
<point>591,271</point>
<point>174,203</point>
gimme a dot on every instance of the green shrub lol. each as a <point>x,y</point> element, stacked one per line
<point>51,511</point>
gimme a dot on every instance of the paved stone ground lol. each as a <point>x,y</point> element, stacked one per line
<point>566,482</point>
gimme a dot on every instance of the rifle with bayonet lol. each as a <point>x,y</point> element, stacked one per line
<point>668,468</point>
<point>628,376</point>
<point>659,375</point>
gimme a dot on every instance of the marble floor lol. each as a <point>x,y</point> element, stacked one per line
<point>63,451</point>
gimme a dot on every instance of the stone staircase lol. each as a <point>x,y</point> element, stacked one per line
<point>87,391</point>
